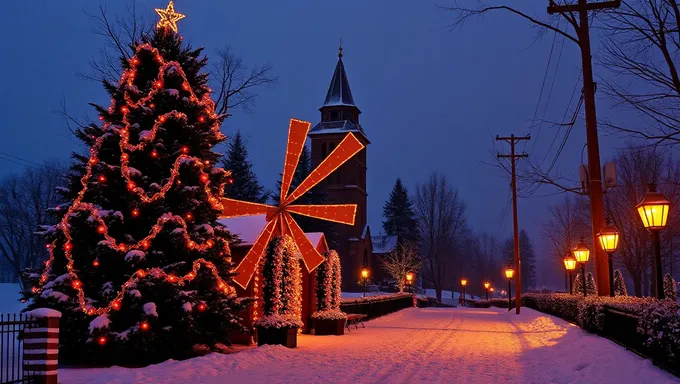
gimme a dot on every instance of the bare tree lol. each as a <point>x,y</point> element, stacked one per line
<point>636,169</point>
<point>235,84</point>
<point>24,203</point>
<point>441,225</point>
<point>405,258</point>
<point>640,48</point>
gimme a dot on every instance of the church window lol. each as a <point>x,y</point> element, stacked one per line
<point>334,115</point>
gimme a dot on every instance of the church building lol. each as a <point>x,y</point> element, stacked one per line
<point>347,185</point>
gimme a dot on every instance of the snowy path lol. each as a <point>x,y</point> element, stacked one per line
<point>431,345</point>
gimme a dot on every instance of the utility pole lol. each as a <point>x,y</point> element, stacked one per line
<point>594,175</point>
<point>512,140</point>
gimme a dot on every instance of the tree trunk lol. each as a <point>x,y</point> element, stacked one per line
<point>438,291</point>
<point>637,284</point>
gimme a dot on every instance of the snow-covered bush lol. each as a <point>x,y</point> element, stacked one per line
<point>493,302</point>
<point>619,284</point>
<point>660,323</point>
<point>669,287</point>
<point>328,293</point>
<point>375,298</point>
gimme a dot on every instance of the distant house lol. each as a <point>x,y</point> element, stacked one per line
<point>248,228</point>
<point>382,245</point>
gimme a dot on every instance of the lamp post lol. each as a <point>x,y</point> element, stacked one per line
<point>582,254</point>
<point>463,283</point>
<point>491,290</point>
<point>364,276</point>
<point>609,241</point>
<point>570,265</point>
<point>486,286</point>
<point>653,210</point>
<point>509,273</point>
<point>409,280</point>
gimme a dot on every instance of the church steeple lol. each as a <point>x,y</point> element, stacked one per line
<point>339,92</point>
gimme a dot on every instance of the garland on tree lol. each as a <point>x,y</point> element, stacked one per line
<point>578,285</point>
<point>135,281</point>
<point>328,293</point>
<point>281,285</point>
<point>670,290</point>
<point>619,284</point>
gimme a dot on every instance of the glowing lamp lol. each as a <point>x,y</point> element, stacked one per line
<point>95,263</point>
<point>409,277</point>
<point>135,212</point>
<point>509,272</point>
<point>364,273</point>
<point>581,252</point>
<point>184,149</point>
<point>154,154</point>
<point>653,209</point>
<point>144,326</point>
<point>487,285</point>
<point>102,178</point>
<point>101,229</point>
<point>609,238</point>
<point>570,262</point>
<point>189,216</point>
<point>101,340</point>
<point>202,307</point>
<point>463,282</point>
<point>491,289</point>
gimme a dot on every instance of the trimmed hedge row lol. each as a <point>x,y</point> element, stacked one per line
<point>379,306</point>
<point>646,325</point>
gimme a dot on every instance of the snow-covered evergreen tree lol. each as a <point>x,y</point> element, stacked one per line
<point>619,284</point>
<point>244,185</point>
<point>578,284</point>
<point>670,290</point>
<point>139,265</point>
<point>591,287</point>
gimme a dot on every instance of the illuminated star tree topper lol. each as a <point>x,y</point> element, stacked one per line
<point>169,17</point>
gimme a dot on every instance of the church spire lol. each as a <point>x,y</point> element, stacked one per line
<point>339,92</point>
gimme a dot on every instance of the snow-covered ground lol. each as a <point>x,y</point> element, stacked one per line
<point>415,345</point>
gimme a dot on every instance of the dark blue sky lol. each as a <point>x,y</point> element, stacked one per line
<point>432,98</point>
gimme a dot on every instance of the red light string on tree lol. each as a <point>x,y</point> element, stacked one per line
<point>78,205</point>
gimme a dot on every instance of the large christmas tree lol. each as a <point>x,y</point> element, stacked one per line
<point>138,264</point>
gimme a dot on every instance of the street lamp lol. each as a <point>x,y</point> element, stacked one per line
<point>582,254</point>
<point>509,273</point>
<point>486,286</point>
<point>653,210</point>
<point>609,241</point>
<point>364,276</point>
<point>491,290</point>
<point>409,280</point>
<point>463,283</point>
<point>570,265</point>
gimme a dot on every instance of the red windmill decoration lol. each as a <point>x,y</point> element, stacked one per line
<point>279,219</point>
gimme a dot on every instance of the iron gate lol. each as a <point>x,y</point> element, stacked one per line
<point>12,348</point>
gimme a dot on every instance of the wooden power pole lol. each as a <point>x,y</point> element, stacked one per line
<point>594,175</point>
<point>512,140</point>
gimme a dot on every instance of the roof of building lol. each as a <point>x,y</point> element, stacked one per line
<point>339,92</point>
<point>383,243</point>
<point>342,126</point>
<point>248,228</point>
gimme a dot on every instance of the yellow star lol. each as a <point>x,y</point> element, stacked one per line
<point>169,17</point>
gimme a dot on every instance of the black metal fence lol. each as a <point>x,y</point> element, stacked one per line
<point>377,308</point>
<point>12,348</point>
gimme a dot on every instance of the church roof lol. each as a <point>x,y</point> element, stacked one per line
<point>341,126</point>
<point>339,92</point>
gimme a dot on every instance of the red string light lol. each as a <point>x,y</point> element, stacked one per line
<point>95,263</point>
<point>202,307</point>
<point>213,192</point>
<point>101,340</point>
<point>144,326</point>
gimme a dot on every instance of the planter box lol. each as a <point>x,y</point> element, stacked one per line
<point>277,336</point>
<point>329,327</point>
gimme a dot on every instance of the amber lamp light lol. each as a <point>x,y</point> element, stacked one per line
<point>487,285</point>
<point>509,272</point>
<point>653,209</point>
<point>581,252</point>
<point>364,273</point>
<point>570,263</point>
<point>409,277</point>
<point>609,238</point>
<point>463,282</point>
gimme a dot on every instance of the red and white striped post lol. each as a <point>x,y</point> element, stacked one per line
<point>41,346</point>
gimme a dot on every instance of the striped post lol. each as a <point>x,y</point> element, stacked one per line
<point>41,346</point>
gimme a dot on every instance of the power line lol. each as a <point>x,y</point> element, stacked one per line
<point>16,162</point>
<point>19,158</point>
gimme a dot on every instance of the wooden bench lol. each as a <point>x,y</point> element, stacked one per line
<point>355,319</point>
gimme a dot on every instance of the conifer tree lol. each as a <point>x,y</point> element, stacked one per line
<point>244,185</point>
<point>528,258</point>
<point>400,219</point>
<point>591,287</point>
<point>669,287</point>
<point>139,265</point>
<point>578,284</point>
<point>619,284</point>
